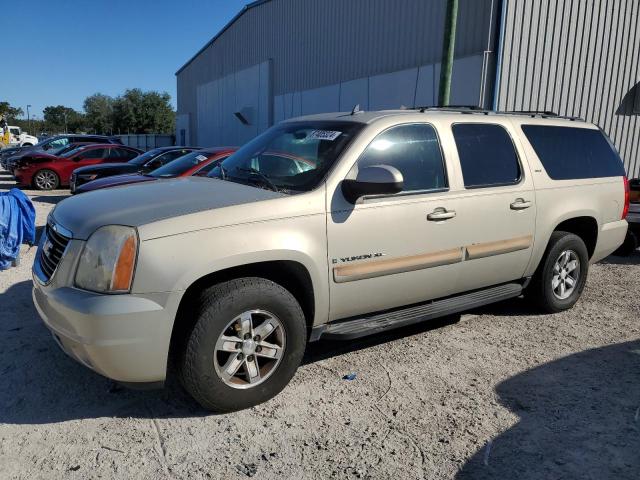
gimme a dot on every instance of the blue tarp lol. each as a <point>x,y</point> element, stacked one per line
<point>17,225</point>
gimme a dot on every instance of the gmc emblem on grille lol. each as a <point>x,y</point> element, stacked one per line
<point>46,248</point>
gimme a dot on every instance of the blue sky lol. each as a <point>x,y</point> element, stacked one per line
<point>69,49</point>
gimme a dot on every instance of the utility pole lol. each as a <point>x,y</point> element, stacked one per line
<point>29,120</point>
<point>448,48</point>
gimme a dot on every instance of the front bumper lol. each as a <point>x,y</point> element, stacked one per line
<point>123,337</point>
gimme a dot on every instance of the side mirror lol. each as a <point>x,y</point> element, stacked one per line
<point>373,180</point>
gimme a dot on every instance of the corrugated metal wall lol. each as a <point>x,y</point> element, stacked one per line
<point>578,58</point>
<point>313,43</point>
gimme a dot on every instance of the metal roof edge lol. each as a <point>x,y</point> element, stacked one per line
<point>246,8</point>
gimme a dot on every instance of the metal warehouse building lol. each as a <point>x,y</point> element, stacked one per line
<point>283,58</point>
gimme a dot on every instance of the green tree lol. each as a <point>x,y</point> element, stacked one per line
<point>99,113</point>
<point>9,112</point>
<point>136,111</point>
<point>63,119</point>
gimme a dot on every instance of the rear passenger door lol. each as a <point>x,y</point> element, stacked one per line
<point>496,207</point>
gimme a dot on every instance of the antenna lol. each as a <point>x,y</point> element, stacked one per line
<point>356,110</point>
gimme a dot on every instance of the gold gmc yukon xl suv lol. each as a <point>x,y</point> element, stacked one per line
<point>327,226</point>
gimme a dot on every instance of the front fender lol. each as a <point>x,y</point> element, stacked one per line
<point>172,264</point>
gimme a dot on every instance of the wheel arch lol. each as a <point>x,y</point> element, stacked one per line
<point>290,274</point>
<point>585,227</point>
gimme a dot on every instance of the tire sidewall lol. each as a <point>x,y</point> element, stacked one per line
<point>567,241</point>
<point>215,313</point>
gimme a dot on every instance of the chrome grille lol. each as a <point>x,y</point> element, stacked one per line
<point>52,250</point>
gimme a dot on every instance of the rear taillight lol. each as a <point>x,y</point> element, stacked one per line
<point>625,209</point>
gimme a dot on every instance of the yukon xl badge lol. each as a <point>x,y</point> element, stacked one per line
<point>355,258</point>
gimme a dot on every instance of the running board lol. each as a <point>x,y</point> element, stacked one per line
<point>379,322</point>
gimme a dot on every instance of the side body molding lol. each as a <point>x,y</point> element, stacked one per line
<point>390,266</point>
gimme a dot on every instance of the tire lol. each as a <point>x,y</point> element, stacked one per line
<point>542,291</point>
<point>45,180</point>
<point>629,245</point>
<point>205,355</point>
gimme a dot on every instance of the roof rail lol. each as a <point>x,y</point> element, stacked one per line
<point>471,109</point>
<point>454,108</point>
<point>542,114</point>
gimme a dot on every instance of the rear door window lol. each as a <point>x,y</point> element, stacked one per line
<point>94,153</point>
<point>487,155</point>
<point>122,154</point>
<point>414,150</point>
<point>569,153</point>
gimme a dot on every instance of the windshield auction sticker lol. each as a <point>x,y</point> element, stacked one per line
<point>324,135</point>
<point>201,158</point>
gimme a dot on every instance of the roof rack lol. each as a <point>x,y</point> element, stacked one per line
<point>474,109</point>
<point>455,108</point>
<point>542,114</point>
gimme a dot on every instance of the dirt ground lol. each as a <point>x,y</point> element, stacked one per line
<point>501,392</point>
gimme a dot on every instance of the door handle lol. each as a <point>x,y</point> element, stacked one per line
<point>521,204</point>
<point>441,214</point>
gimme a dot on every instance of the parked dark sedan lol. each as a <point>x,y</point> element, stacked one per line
<point>198,163</point>
<point>144,163</point>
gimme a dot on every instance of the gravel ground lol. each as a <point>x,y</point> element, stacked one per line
<point>501,392</point>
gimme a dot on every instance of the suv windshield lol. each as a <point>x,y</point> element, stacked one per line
<point>289,157</point>
<point>181,165</point>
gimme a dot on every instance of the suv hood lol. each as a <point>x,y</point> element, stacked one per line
<point>141,204</point>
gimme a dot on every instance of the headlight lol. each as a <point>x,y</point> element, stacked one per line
<point>108,260</point>
<point>88,176</point>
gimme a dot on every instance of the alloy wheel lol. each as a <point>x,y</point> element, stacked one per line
<point>566,274</point>
<point>45,180</point>
<point>249,349</point>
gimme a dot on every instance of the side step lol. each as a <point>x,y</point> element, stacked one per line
<point>379,322</point>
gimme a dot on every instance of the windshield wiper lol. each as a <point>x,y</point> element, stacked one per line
<point>267,181</point>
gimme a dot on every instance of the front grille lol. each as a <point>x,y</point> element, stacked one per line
<point>52,250</point>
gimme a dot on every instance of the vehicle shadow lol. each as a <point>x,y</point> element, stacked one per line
<point>53,199</point>
<point>633,259</point>
<point>578,418</point>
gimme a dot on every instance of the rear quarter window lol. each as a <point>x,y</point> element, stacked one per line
<point>570,153</point>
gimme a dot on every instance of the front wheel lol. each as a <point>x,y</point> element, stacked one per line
<point>247,343</point>
<point>46,180</point>
<point>562,274</point>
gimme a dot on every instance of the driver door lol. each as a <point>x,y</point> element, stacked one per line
<point>388,251</point>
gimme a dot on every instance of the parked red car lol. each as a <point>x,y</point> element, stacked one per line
<point>198,163</point>
<point>47,172</point>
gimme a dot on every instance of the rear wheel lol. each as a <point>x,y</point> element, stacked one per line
<point>46,180</point>
<point>562,274</point>
<point>246,344</point>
